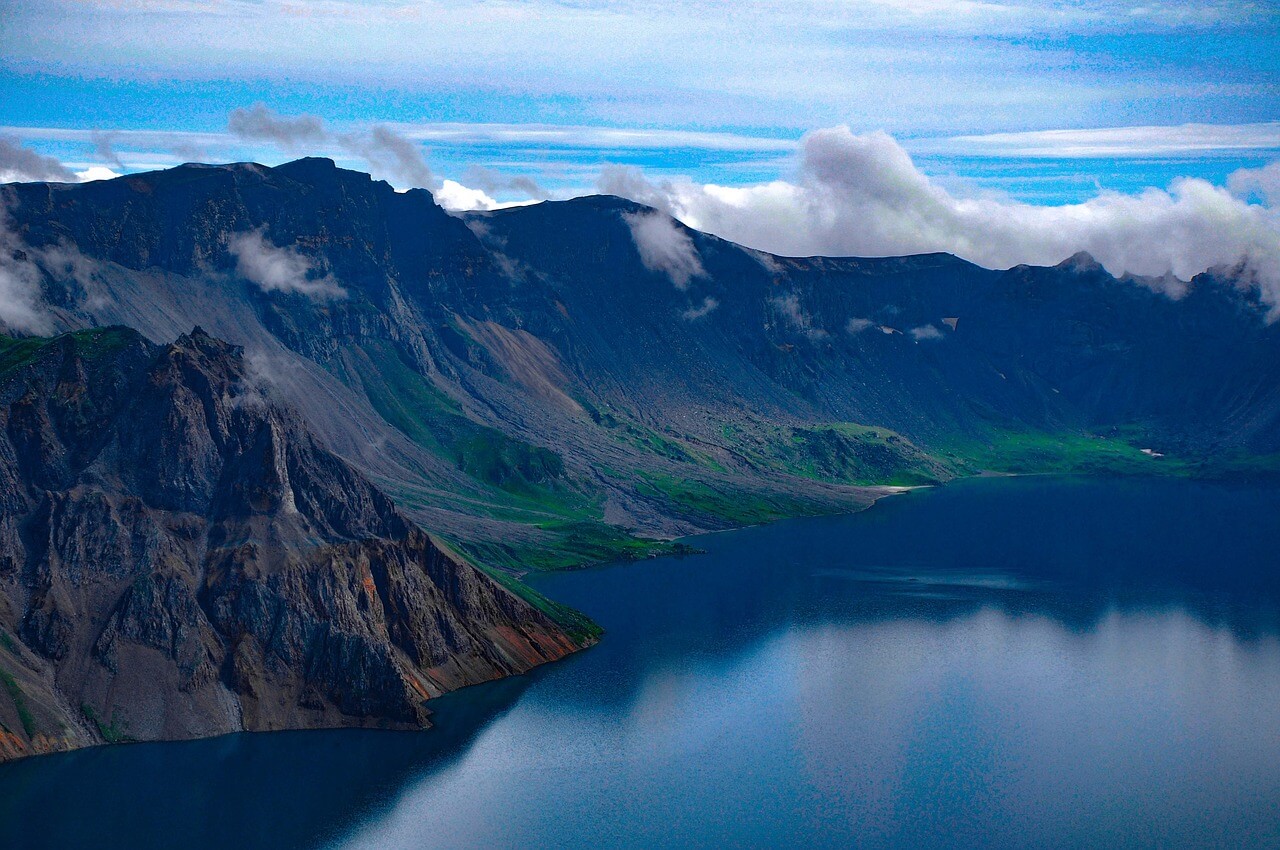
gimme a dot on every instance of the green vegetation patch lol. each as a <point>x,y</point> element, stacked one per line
<point>434,421</point>
<point>92,344</point>
<point>1029,452</point>
<point>567,544</point>
<point>14,690</point>
<point>849,453</point>
<point>16,353</point>
<point>840,453</point>
<point>97,343</point>
<point>115,732</point>
<point>580,628</point>
<point>500,461</point>
<point>730,506</point>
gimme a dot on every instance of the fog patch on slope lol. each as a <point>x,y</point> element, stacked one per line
<point>789,308</point>
<point>275,269</point>
<point>664,247</point>
<point>706,307</point>
<point>20,307</point>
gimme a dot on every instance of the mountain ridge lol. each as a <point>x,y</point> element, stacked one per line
<point>465,348</point>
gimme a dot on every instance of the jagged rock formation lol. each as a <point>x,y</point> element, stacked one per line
<point>179,557</point>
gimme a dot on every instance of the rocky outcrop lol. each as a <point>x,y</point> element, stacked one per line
<point>179,557</point>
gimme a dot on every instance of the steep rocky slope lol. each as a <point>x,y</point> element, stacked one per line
<point>931,346</point>
<point>179,557</point>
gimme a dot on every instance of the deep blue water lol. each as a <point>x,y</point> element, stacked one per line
<point>999,663</point>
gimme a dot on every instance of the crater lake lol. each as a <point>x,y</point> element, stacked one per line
<point>1003,662</point>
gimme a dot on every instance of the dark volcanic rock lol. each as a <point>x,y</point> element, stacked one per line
<point>179,557</point>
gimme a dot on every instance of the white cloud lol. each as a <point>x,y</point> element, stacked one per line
<point>104,145</point>
<point>862,195</point>
<point>591,138</point>
<point>857,325</point>
<point>492,182</point>
<point>386,151</point>
<point>293,133</point>
<point>21,164</point>
<point>664,247</point>
<point>135,150</point>
<point>1261,182</point>
<point>20,304</point>
<point>628,181</point>
<point>276,269</point>
<point>388,154</point>
<point>20,308</point>
<point>788,306</point>
<point>96,172</point>
<point>694,313</point>
<point>925,332</point>
<point>455,197</point>
<point>1185,139</point>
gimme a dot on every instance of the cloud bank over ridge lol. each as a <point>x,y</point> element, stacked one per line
<point>20,164</point>
<point>855,194</point>
<point>863,195</point>
<point>386,152</point>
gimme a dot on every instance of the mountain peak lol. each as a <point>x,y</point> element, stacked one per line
<point>1081,261</point>
<point>609,202</point>
<point>309,165</point>
<point>201,341</point>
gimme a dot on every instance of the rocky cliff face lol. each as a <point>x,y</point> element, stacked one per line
<point>179,557</point>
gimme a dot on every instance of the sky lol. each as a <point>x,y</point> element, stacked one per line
<point>1015,107</point>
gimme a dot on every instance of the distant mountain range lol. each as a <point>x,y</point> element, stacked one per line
<point>190,527</point>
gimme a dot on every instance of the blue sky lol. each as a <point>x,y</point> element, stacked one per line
<point>1005,131</point>
<point>752,77</point>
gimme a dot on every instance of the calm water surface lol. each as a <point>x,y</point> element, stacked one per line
<point>999,663</point>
